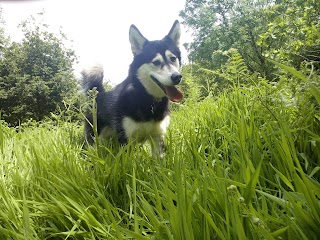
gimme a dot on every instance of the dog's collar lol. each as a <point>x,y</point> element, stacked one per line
<point>156,103</point>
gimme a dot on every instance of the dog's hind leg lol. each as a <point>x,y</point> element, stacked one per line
<point>89,134</point>
<point>89,130</point>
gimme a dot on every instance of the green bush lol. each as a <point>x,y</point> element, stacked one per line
<point>36,75</point>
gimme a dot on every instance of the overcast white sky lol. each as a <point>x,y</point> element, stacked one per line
<point>99,29</point>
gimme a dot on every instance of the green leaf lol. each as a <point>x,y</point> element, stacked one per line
<point>283,178</point>
<point>291,70</point>
<point>249,191</point>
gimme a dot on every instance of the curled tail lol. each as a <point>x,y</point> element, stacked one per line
<point>92,78</point>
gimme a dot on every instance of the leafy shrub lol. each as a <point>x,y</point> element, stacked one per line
<point>36,75</point>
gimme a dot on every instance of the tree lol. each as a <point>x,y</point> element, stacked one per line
<point>284,29</point>
<point>36,75</point>
<point>3,38</point>
<point>293,34</point>
<point>220,25</point>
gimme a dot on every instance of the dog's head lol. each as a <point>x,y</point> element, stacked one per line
<point>157,63</point>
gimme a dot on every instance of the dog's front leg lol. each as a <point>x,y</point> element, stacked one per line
<point>157,145</point>
<point>122,138</point>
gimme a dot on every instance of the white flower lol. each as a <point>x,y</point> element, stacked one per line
<point>232,187</point>
<point>256,220</point>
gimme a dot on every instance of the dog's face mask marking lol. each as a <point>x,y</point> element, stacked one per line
<point>160,74</point>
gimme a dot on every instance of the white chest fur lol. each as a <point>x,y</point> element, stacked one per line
<point>144,130</point>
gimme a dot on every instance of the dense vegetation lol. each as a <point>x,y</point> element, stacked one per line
<point>246,165</point>
<point>243,149</point>
<point>36,75</point>
<point>285,30</point>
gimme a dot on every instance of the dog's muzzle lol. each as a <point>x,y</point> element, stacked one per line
<point>172,92</point>
<point>176,78</point>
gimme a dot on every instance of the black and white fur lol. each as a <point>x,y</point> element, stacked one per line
<point>137,108</point>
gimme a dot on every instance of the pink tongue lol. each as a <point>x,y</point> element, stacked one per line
<point>174,94</point>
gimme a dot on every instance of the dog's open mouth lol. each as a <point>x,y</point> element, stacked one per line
<point>173,93</point>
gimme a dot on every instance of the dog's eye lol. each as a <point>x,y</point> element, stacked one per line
<point>156,63</point>
<point>173,59</point>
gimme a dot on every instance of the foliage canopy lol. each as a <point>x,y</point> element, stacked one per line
<point>36,75</point>
<point>285,30</point>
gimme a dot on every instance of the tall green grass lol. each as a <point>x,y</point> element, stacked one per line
<point>242,166</point>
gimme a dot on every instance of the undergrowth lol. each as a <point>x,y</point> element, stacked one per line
<point>244,165</point>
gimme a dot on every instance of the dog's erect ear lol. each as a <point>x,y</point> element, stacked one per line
<point>137,40</point>
<point>174,33</point>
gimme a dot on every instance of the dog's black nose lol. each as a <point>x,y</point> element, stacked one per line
<point>176,78</point>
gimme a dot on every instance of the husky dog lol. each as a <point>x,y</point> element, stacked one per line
<point>138,108</point>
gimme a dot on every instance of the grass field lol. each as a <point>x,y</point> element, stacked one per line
<point>244,165</point>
